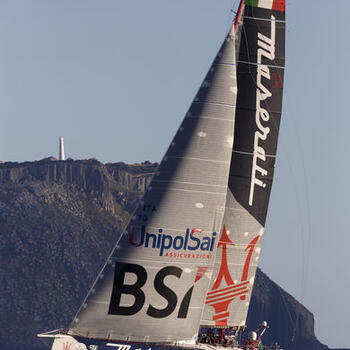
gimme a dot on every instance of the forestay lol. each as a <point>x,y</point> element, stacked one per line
<point>260,73</point>
<point>153,287</point>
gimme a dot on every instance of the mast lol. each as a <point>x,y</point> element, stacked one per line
<point>260,36</point>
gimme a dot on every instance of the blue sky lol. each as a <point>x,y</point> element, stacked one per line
<point>115,79</point>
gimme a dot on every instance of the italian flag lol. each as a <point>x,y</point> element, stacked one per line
<point>278,5</point>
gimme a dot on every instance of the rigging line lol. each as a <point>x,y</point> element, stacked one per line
<point>266,19</point>
<point>256,64</point>
<point>308,212</point>
<point>289,314</point>
<point>247,45</point>
<point>300,222</point>
<point>229,16</point>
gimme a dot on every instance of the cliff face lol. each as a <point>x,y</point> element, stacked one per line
<point>106,183</point>
<point>292,325</point>
<point>58,222</point>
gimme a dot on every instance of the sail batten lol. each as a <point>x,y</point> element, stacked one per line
<point>214,103</point>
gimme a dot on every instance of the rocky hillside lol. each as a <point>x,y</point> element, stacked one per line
<point>292,325</point>
<point>58,222</point>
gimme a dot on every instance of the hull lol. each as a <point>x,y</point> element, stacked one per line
<point>67,342</point>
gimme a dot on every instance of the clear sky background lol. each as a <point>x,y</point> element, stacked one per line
<point>115,78</point>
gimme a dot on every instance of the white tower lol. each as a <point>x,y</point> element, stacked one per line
<point>61,153</point>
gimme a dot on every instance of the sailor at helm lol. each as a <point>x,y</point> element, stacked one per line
<point>251,342</point>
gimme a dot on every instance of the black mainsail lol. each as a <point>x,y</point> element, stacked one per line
<point>260,72</point>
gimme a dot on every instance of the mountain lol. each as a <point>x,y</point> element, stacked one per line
<point>59,221</point>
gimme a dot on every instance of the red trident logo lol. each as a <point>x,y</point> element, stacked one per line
<point>66,346</point>
<point>220,298</point>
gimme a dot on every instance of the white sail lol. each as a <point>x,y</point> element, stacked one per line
<point>154,285</point>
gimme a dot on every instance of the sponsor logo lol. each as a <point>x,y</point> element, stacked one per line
<point>189,256</point>
<point>189,242</point>
<point>224,289</point>
<point>266,48</point>
<point>93,347</point>
<point>120,289</point>
<point>120,346</point>
<point>66,346</point>
<point>277,78</point>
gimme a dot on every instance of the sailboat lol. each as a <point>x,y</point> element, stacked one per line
<point>187,259</point>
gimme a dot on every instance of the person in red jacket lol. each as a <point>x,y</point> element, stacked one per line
<point>252,342</point>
